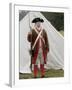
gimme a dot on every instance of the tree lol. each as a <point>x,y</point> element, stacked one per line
<point>56,19</point>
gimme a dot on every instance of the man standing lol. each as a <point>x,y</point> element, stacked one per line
<point>39,46</point>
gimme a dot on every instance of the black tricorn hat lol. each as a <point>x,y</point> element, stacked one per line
<point>37,20</point>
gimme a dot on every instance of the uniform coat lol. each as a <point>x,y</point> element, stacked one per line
<point>45,46</point>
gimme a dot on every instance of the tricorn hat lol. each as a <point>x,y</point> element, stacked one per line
<point>37,20</point>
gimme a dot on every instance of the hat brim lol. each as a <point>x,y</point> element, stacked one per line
<point>37,20</point>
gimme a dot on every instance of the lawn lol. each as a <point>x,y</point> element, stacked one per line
<point>48,74</point>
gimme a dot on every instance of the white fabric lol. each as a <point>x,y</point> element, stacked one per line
<point>40,58</point>
<point>25,57</point>
<point>55,58</point>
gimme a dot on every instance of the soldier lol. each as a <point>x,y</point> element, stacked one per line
<point>39,46</point>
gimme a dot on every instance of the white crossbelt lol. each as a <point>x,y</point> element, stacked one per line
<point>39,36</point>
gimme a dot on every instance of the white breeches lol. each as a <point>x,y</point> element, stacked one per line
<point>40,58</point>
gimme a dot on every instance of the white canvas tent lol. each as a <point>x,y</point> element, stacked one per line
<point>55,58</point>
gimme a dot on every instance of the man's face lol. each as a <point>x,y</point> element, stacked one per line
<point>38,24</point>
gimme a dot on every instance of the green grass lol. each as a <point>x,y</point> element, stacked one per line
<point>48,74</point>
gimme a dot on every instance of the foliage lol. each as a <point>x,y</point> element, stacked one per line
<point>56,19</point>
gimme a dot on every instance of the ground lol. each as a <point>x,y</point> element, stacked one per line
<point>48,74</point>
